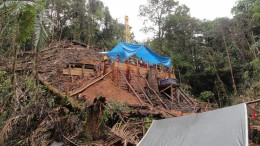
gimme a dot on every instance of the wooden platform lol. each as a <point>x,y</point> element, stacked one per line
<point>127,69</point>
<point>143,70</point>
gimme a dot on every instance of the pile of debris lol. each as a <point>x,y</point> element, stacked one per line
<point>59,55</point>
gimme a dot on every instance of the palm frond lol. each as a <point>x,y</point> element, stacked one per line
<point>40,33</point>
<point>18,3</point>
<point>8,128</point>
<point>123,132</point>
<point>15,7</point>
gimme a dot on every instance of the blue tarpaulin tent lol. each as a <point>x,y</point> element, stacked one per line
<point>126,50</point>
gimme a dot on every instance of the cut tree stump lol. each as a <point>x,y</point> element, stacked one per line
<point>152,79</point>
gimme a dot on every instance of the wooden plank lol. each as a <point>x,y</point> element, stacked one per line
<point>134,69</point>
<point>69,73</point>
<point>167,95</point>
<point>95,62</point>
<point>79,65</point>
<point>154,92</point>
<point>141,89</point>
<point>254,101</point>
<point>92,83</point>
<point>165,89</point>
<point>191,103</point>
<point>131,87</point>
<point>171,97</point>
<point>77,71</point>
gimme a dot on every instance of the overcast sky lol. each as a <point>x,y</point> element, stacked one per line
<point>202,9</point>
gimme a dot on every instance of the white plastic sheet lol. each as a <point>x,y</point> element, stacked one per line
<point>223,127</point>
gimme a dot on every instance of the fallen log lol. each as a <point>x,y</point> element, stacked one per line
<point>254,101</point>
<point>79,65</point>
<point>75,42</point>
<point>138,106</point>
<point>51,88</point>
<point>143,113</point>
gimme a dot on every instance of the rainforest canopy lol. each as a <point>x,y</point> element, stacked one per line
<point>126,50</point>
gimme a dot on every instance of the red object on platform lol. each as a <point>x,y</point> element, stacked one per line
<point>254,116</point>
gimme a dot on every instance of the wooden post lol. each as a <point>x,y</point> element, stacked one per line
<point>104,67</point>
<point>171,96</point>
<point>125,142</point>
<point>128,77</point>
<point>138,69</point>
<point>178,96</point>
<point>143,127</point>
<point>114,72</point>
<point>117,74</point>
<point>70,73</point>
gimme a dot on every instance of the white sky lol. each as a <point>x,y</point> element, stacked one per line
<point>202,9</point>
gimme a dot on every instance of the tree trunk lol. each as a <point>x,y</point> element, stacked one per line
<point>218,82</point>
<point>14,48</point>
<point>230,64</point>
<point>179,76</point>
<point>89,31</point>
<point>36,72</point>
<point>253,40</point>
<point>159,46</point>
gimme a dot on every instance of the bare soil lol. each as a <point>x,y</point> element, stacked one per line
<point>112,93</point>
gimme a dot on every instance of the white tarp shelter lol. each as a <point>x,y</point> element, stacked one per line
<point>223,127</point>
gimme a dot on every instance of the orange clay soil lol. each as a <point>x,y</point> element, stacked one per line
<point>112,93</point>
